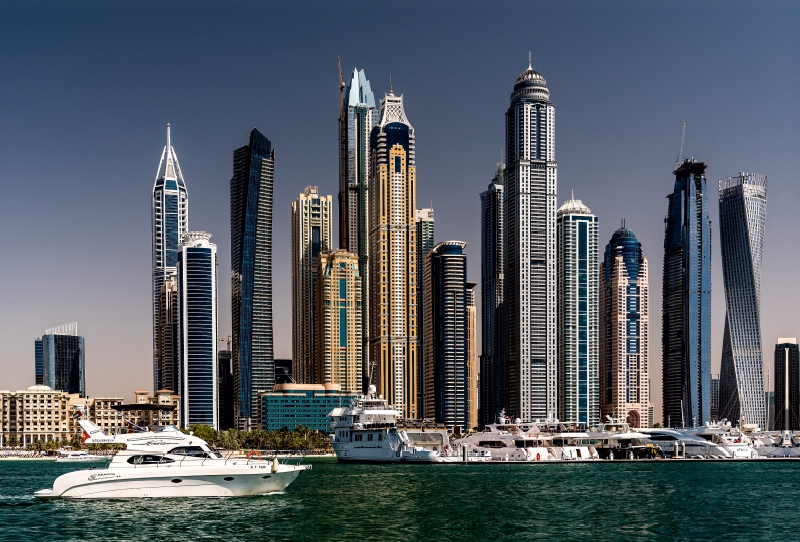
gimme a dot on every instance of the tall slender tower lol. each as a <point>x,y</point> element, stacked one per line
<point>170,220</point>
<point>197,330</point>
<point>445,335</point>
<point>251,276</point>
<point>393,330</point>
<point>493,372</point>
<point>742,217</point>
<point>577,314</point>
<point>686,300</point>
<point>311,234</point>
<point>357,117</point>
<point>624,331</point>
<point>425,227</point>
<point>472,355</point>
<point>787,386</point>
<point>530,248</point>
<point>168,335</point>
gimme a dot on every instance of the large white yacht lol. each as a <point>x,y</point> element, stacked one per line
<point>78,456</point>
<point>165,462</point>
<point>368,430</point>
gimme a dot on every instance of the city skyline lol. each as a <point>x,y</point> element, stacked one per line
<point>101,359</point>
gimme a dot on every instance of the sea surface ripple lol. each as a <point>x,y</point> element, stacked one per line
<point>659,500</point>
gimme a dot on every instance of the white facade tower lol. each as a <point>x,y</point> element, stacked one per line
<point>170,220</point>
<point>530,249</point>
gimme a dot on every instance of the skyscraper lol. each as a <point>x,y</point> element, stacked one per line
<point>425,227</point>
<point>493,372</point>
<point>473,375</point>
<point>225,416</point>
<point>742,216</point>
<point>312,227</point>
<point>529,301</point>
<point>64,359</point>
<point>357,118</point>
<point>37,352</point>
<point>197,329</point>
<point>686,300</point>
<point>251,275</point>
<point>339,333</point>
<point>578,299</point>
<point>167,335</point>
<point>393,328</point>
<point>787,386</point>
<point>170,220</point>
<point>445,335</point>
<point>624,330</point>
<point>714,398</point>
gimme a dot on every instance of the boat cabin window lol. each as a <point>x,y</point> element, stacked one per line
<point>192,451</point>
<point>495,444</point>
<point>659,436</point>
<point>149,459</point>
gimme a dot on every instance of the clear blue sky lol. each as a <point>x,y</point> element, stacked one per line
<point>87,90</point>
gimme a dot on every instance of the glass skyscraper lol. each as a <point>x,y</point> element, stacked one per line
<point>64,359</point>
<point>197,329</point>
<point>170,220</point>
<point>445,335</point>
<point>37,351</point>
<point>624,331</point>
<point>742,216</point>
<point>251,275</point>
<point>393,330</point>
<point>493,372</point>
<point>577,314</point>
<point>686,300</point>
<point>529,301</point>
<point>425,229</point>
<point>312,233</point>
<point>358,116</point>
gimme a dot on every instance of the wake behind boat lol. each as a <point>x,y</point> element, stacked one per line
<point>168,463</point>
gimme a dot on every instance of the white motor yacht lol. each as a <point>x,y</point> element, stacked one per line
<point>736,440</point>
<point>78,456</point>
<point>168,463</point>
<point>368,430</point>
<point>617,440</point>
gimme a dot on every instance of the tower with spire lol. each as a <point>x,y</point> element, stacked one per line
<point>170,220</point>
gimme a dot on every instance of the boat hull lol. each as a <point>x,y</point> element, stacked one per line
<point>172,482</point>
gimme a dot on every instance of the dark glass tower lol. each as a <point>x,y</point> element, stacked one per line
<point>251,275</point>
<point>225,417</point>
<point>445,335</point>
<point>63,362</point>
<point>686,300</point>
<point>787,386</point>
<point>38,362</point>
<point>493,372</point>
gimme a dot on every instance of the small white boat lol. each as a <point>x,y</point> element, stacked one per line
<point>168,463</point>
<point>70,456</point>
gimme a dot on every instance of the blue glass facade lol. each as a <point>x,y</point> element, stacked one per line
<point>297,407</point>
<point>63,363</point>
<point>251,275</point>
<point>39,375</point>
<point>197,343</point>
<point>686,300</point>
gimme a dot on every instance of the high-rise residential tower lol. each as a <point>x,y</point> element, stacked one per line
<point>339,333</point>
<point>37,352</point>
<point>787,386</point>
<point>170,220</point>
<point>529,300</point>
<point>714,398</point>
<point>425,227</point>
<point>624,331</point>
<point>167,335</point>
<point>742,217</point>
<point>251,276</point>
<point>445,335</point>
<point>393,329</point>
<point>357,117</point>
<point>686,300</point>
<point>473,369</point>
<point>312,228</point>
<point>197,330</point>
<point>225,416</point>
<point>493,372</point>
<point>64,359</point>
<point>578,298</point>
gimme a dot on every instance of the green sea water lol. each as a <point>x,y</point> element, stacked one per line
<point>658,500</point>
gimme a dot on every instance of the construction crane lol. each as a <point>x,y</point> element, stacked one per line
<point>341,82</point>
<point>680,153</point>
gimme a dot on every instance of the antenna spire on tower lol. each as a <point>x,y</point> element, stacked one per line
<point>169,145</point>
<point>529,61</point>
<point>390,84</point>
